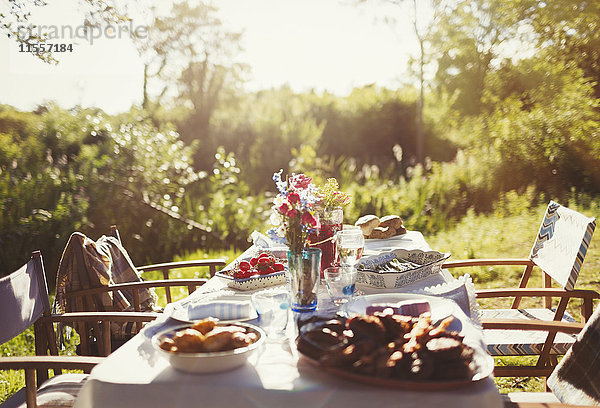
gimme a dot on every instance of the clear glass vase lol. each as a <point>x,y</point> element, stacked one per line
<point>304,268</point>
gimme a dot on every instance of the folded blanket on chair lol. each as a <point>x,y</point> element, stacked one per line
<point>576,379</point>
<point>85,264</point>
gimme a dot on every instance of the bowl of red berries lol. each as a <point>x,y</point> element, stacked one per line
<point>260,271</point>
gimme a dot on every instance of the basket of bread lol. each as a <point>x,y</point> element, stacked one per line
<point>386,227</point>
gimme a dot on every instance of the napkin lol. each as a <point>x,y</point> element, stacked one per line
<point>459,290</point>
<point>221,309</point>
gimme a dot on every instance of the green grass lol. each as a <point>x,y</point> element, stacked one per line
<point>507,235</point>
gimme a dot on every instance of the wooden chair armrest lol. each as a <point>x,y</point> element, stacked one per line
<point>182,264</point>
<point>486,262</point>
<point>73,317</point>
<point>524,324</point>
<point>49,362</point>
<point>139,285</point>
<point>552,292</point>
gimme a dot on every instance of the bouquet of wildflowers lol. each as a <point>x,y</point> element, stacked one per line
<point>331,197</point>
<point>294,209</point>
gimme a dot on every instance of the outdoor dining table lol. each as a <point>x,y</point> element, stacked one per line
<point>276,376</point>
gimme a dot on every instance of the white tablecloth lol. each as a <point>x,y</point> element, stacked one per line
<point>137,376</point>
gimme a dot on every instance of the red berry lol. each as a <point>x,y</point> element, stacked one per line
<point>253,261</point>
<point>263,255</point>
<point>278,267</point>
<point>266,271</point>
<point>263,260</point>
<point>245,265</point>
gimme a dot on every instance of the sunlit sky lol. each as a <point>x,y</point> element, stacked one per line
<point>331,45</point>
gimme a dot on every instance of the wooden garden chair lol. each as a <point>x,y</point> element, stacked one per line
<point>99,276</point>
<point>24,303</point>
<point>558,251</point>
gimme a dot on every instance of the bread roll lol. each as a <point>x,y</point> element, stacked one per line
<point>393,221</point>
<point>382,233</point>
<point>367,223</point>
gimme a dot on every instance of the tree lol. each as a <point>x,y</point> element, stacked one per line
<point>570,31</point>
<point>420,30</point>
<point>189,53</point>
<point>466,40</point>
<point>14,23</point>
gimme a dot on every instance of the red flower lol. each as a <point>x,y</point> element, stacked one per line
<point>284,208</point>
<point>292,213</point>
<point>309,219</point>
<point>300,181</point>
<point>293,198</point>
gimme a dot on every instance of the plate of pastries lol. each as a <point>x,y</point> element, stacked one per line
<point>399,345</point>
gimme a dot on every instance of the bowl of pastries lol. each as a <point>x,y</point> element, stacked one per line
<point>209,346</point>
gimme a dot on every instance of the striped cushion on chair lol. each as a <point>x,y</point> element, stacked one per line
<point>59,391</point>
<point>523,342</point>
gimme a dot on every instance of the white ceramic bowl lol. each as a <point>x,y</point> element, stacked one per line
<point>204,363</point>
<point>429,262</point>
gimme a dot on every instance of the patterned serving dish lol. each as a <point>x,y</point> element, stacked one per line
<point>254,282</point>
<point>420,265</point>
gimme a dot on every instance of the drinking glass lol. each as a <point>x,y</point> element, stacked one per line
<point>272,307</point>
<point>340,281</point>
<point>350,244</point>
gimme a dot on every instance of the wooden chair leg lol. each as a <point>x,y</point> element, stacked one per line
<point>587,308</point>
<point>41,349</point>
<point>546,359</point>
<point>547,284</point>
<point>522,284</point>
<point>168,288</point>
<point>30,388</point>
<point>82,329</point>
<point>106,341</point>
<point>136,300</point>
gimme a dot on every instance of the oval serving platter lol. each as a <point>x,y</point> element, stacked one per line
<point>484,369</point>
<point>440,308</point>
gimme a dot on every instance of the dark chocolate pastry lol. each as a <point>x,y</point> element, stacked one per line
<point>422,366</point>
<point>396,326</point>
<point>367,328</point>
<point>444,348</point>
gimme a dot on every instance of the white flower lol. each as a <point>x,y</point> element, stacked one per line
<point>275,219</point>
